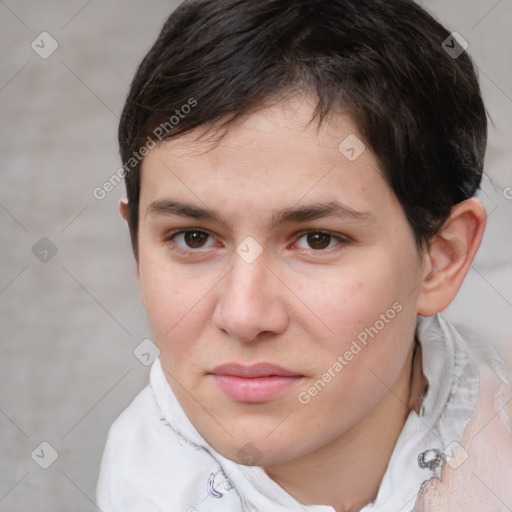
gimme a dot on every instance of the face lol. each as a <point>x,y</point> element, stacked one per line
<point>277,253</point>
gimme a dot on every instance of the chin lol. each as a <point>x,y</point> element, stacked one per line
<point>255,449</point>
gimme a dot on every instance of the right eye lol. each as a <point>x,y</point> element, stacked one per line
<point>193,239</point>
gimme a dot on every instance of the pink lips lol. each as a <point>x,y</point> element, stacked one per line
<point>257,383</point>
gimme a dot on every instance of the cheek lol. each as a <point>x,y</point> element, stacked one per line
<point>174,303</point>
<point>351,300</point>
<point>371,317</point>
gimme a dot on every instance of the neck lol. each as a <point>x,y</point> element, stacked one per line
<point>349,470</point>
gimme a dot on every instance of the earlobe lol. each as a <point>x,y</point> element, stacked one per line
<point>123,209</point>
<point>450,254</point>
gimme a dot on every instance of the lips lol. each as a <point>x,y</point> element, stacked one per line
<point>254,371</point>
<point>256,383</point>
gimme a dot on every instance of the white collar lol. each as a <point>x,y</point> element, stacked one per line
<point>424,445</point>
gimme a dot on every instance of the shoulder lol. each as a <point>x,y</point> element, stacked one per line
<point>134,427</point>
<point>479,476</point>
<point>146,465</point>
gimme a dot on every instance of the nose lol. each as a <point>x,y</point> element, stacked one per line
<point>251,304</point>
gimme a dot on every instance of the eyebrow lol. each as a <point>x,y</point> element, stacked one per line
<point>305,213</point>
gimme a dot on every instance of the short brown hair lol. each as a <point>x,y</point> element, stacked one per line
<point>418,107</point>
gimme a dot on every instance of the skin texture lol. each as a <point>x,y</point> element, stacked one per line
<point>301,303</point>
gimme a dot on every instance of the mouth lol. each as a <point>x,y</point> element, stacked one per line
<point>254,384</point>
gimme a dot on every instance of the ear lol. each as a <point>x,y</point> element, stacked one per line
<point>125,214</point>
<point>123,209</point>
<point>450,255</point>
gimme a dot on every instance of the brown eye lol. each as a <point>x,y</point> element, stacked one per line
<point>318,240</point>
<point>187,240</point>
<point>195,239</point>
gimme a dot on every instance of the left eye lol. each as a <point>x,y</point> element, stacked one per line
<point>319,240</point>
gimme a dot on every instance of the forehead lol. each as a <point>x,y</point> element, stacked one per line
<point>272,159</point>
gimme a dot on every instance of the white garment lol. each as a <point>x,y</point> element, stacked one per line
<point>155,460</point>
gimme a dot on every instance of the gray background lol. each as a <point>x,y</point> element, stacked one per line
<point>69,325</point>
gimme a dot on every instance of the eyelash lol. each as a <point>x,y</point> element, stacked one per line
<point>178,248</point>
